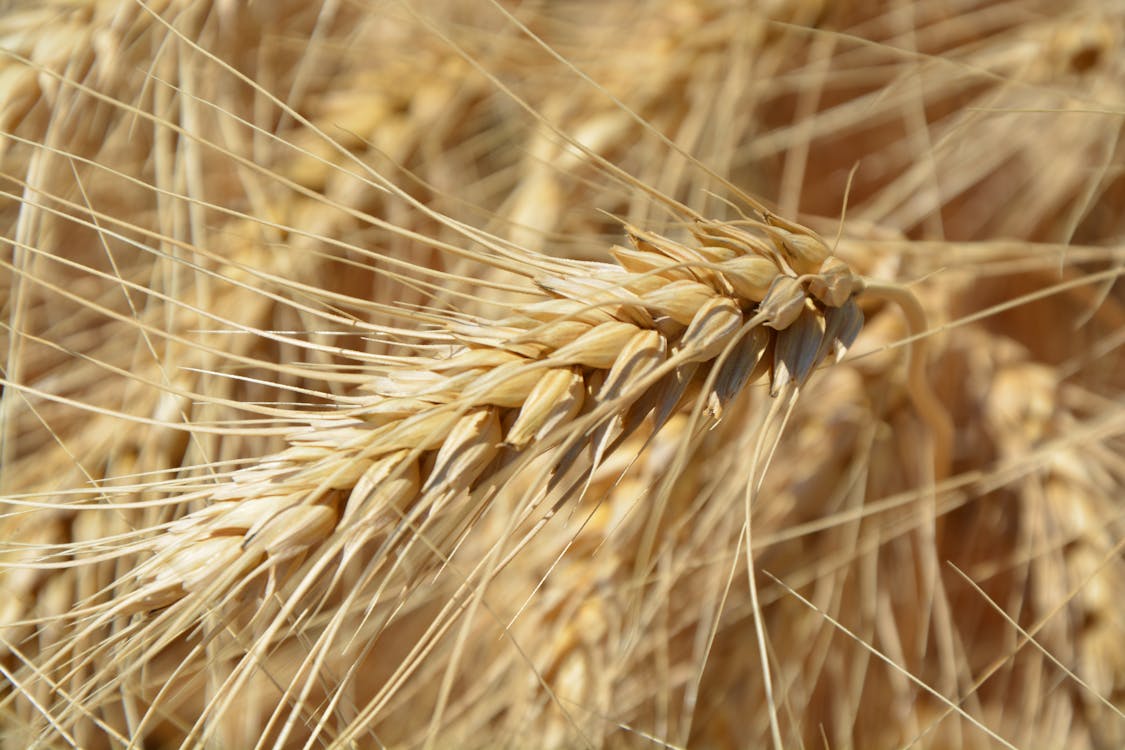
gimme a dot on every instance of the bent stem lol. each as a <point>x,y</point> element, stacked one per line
<point>929,408</point>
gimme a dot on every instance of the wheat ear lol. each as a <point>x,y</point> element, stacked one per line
<point>607,347</point>
<point>556,385</point>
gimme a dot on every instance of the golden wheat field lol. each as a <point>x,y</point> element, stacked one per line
<point>562,374</point>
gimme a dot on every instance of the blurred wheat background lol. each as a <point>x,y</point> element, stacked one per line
<point>223,221</point>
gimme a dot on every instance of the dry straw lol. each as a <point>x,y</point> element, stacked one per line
<point>395,375</point>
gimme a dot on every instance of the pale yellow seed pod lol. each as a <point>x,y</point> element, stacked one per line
<point>834,283</point>
<point>220,553</point>
<point>237,516</point>
<point>189,565</point>
<point>552,310</point>
<point>644,353</point>
<point>643,285</point>
<point>470,359</point>
<point>424,431</point>
<point>407,383</point>
<point>714,326</point>
<point>386,483</point>
<point>750,276</point>
<point>598,347</point>
<point>655,244</point>
<point>604,292</point>
<point>717,253</point>
<point>391,410</point>
<point>555,400</point>
<point>679,300</point>
<point>293,530</point>
<point>340,474</point>
<point>804,252</point>
<point>195,563</point>
<point>507,387</point>
<point>783,303</point>
<point>695,263</point>
<point>296,455</point>
<point>333,438</point>
<point>639,261</point>
<point>554,335</point>
<point>469,448</point>
<point>742,242</point>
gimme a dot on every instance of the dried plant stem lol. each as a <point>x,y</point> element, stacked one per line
<point>929,407</point>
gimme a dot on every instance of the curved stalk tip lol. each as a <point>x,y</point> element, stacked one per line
<point>929,407</point>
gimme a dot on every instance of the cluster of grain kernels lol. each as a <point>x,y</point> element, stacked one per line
<point>580,370</point>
